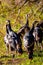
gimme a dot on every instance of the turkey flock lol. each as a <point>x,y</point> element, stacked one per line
<point>26,37</point>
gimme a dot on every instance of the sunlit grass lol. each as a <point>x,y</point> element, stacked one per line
<point>7,13</point>
<point>20,59</point>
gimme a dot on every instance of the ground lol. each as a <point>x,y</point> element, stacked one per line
<point>18,18</point>
<point>7,59</point>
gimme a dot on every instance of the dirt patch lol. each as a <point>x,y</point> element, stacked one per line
<point>16,61</point>
<point>13,61</point>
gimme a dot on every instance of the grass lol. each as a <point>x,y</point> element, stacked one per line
<point>19,59</point>
<point>16,23</point>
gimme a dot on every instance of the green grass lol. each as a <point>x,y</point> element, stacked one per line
<point>11,14</point>
<point>19,59</point>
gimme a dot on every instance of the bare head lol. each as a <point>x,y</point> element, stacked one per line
<point>7,21</point>
<point>27,29</point>
<point>36,22</point>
